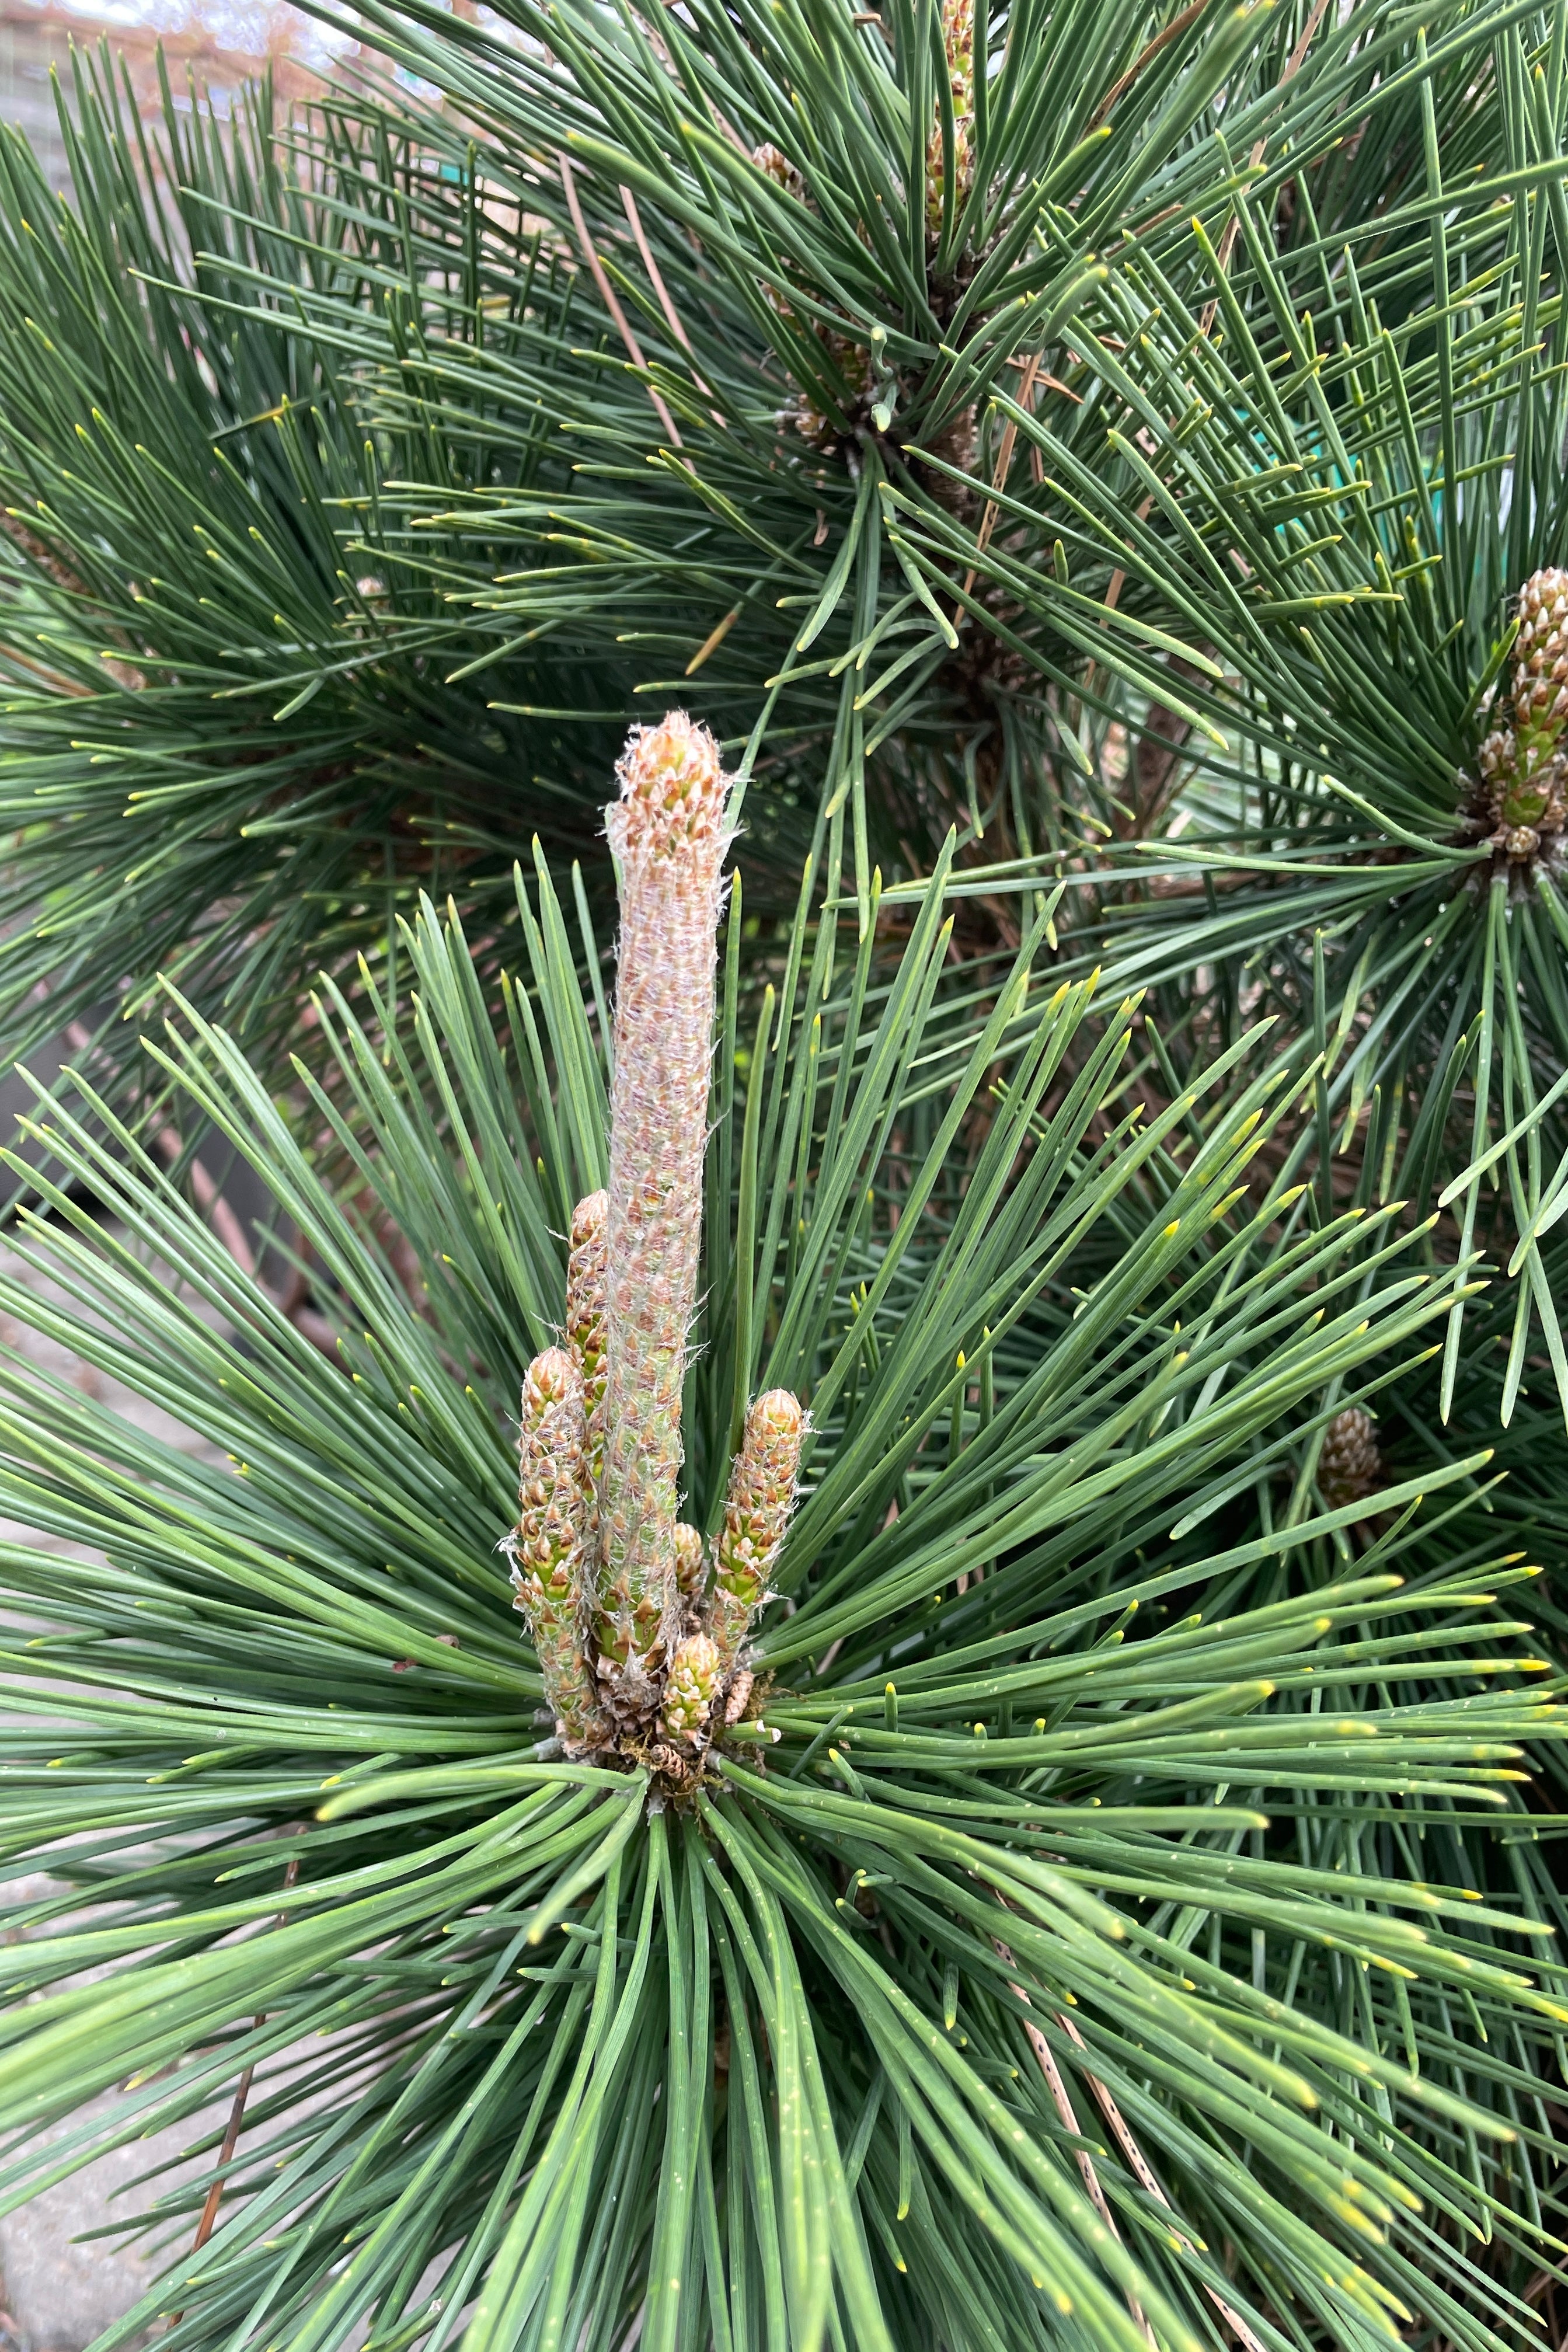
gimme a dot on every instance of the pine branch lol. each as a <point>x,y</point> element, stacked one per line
<point>1054,1665</point>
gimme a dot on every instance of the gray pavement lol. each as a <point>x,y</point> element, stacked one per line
<point>58,2288</point>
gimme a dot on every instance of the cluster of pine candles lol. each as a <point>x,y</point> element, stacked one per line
<point>641,1638</point>
<point>641,1634</point>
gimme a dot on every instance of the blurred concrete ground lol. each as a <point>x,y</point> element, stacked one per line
<point>56,2292</point>
<point>60,2287</point>
<point>60,2293</point>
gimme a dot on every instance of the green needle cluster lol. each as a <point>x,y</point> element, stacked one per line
<point>1119,1760</point>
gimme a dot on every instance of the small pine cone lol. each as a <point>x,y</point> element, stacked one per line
<point>552,1555</point>
<point>692,1687</point>
<point>756,1514</point>
<point>1350,1466</point>
<point>680,1771</point>
<point>586,1267</point>
<point>669,836</point>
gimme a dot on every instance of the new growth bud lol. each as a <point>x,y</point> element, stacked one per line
<point>1540,673</point>
<point>756,1514</point>
<point>1520,804</point>
<point>551,1554</point>
<point>586,1285</point>
<point>670,813</point>
<point>693,1685</point>
<point>668,833</point>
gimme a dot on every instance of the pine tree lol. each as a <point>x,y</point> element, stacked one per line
<point>921,1960</point>
<point>871,1670</point>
